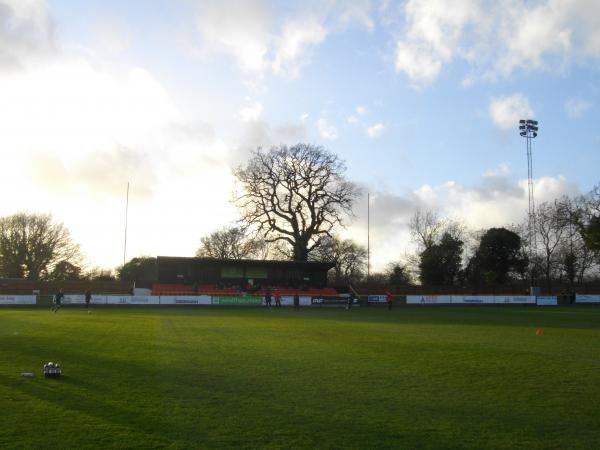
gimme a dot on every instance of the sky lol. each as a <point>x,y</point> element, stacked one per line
<point>421,101</point>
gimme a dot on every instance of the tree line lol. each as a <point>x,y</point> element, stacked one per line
<point>293,202</point>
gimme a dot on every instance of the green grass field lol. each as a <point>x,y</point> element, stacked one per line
<point>418,377</point>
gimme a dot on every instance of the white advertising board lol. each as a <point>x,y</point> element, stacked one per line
<point>514,299</point>
<point>473,299</point>
<point>305,300</point>
<point>73,300</point>
<point>17,299</point>
<point>98,299</point>
<point>547,301</point>
<point>587,298</point>
<point>376,299</point>
<point>428,299</point>
<point>185,300</point>
<point>286,300</point>
<point>131,300</point>
<point>470,299</point>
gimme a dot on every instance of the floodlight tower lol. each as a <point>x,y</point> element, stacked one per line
<point>529,130</point>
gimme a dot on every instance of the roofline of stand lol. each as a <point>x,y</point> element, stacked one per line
<point>269,262</point>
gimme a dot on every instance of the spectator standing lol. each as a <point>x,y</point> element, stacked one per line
<point>277,300</point>
<point>350,300</point>
<point>389,298</point>
<point>88,299</point>
<point>296,301</point>
<point>268,298</point>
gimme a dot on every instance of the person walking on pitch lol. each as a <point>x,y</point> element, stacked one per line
<point>58,300</point>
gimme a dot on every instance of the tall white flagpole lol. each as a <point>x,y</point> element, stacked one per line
<point>126,212</point>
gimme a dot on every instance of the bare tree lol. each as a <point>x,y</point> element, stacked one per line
<point>232,243</point>
<point>31,246</point>
<point>574,257</point>
<point>350,259</point>
<point>551,226</point>
<point>425,228</point>
<point>296,194</point>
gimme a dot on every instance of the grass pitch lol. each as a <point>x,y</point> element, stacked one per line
<point>415,377</point>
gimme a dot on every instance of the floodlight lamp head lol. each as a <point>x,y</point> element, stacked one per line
<point>534,134</point>
<point>532,122</point>
<point>523,133</point>
<point>522,121</point>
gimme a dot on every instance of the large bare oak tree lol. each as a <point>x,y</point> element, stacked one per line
<point>295,194</point>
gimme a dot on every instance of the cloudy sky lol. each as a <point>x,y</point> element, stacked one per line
<point>421,100</point>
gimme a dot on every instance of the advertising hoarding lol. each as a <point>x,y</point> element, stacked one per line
<point>17,299</point>
<point>248,300</point>
<point>548,300</point>
<point>185,300</point>
<point>587,298</point>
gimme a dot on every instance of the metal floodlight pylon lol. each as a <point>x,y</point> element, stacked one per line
<point>529,130</point>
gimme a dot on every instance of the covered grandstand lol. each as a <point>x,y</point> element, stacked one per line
<point>185,275</point>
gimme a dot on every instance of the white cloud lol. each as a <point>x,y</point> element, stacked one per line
<point>577,107</point>
<point>531,32</point>
<point>296,38</point>
<point>239,28</point>
<point>245,30</point>
<point>68,103</point>
<point>587,33</point>
<point>251,113</point>
<point>112,35</point>
<point>326,130</point>
<point>433,34</point>
<point>496,201</point>
<point>26,32</point>
<point>261,134</point>
<point>507,111</point>
<point>376,130</point>
<point>354,119</point>
<point>358,11</point>
<point>495,38</point>
<point>75,135</point>
<point>418,64</point>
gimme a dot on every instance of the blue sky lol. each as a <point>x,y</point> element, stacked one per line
<point>420,100</point>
